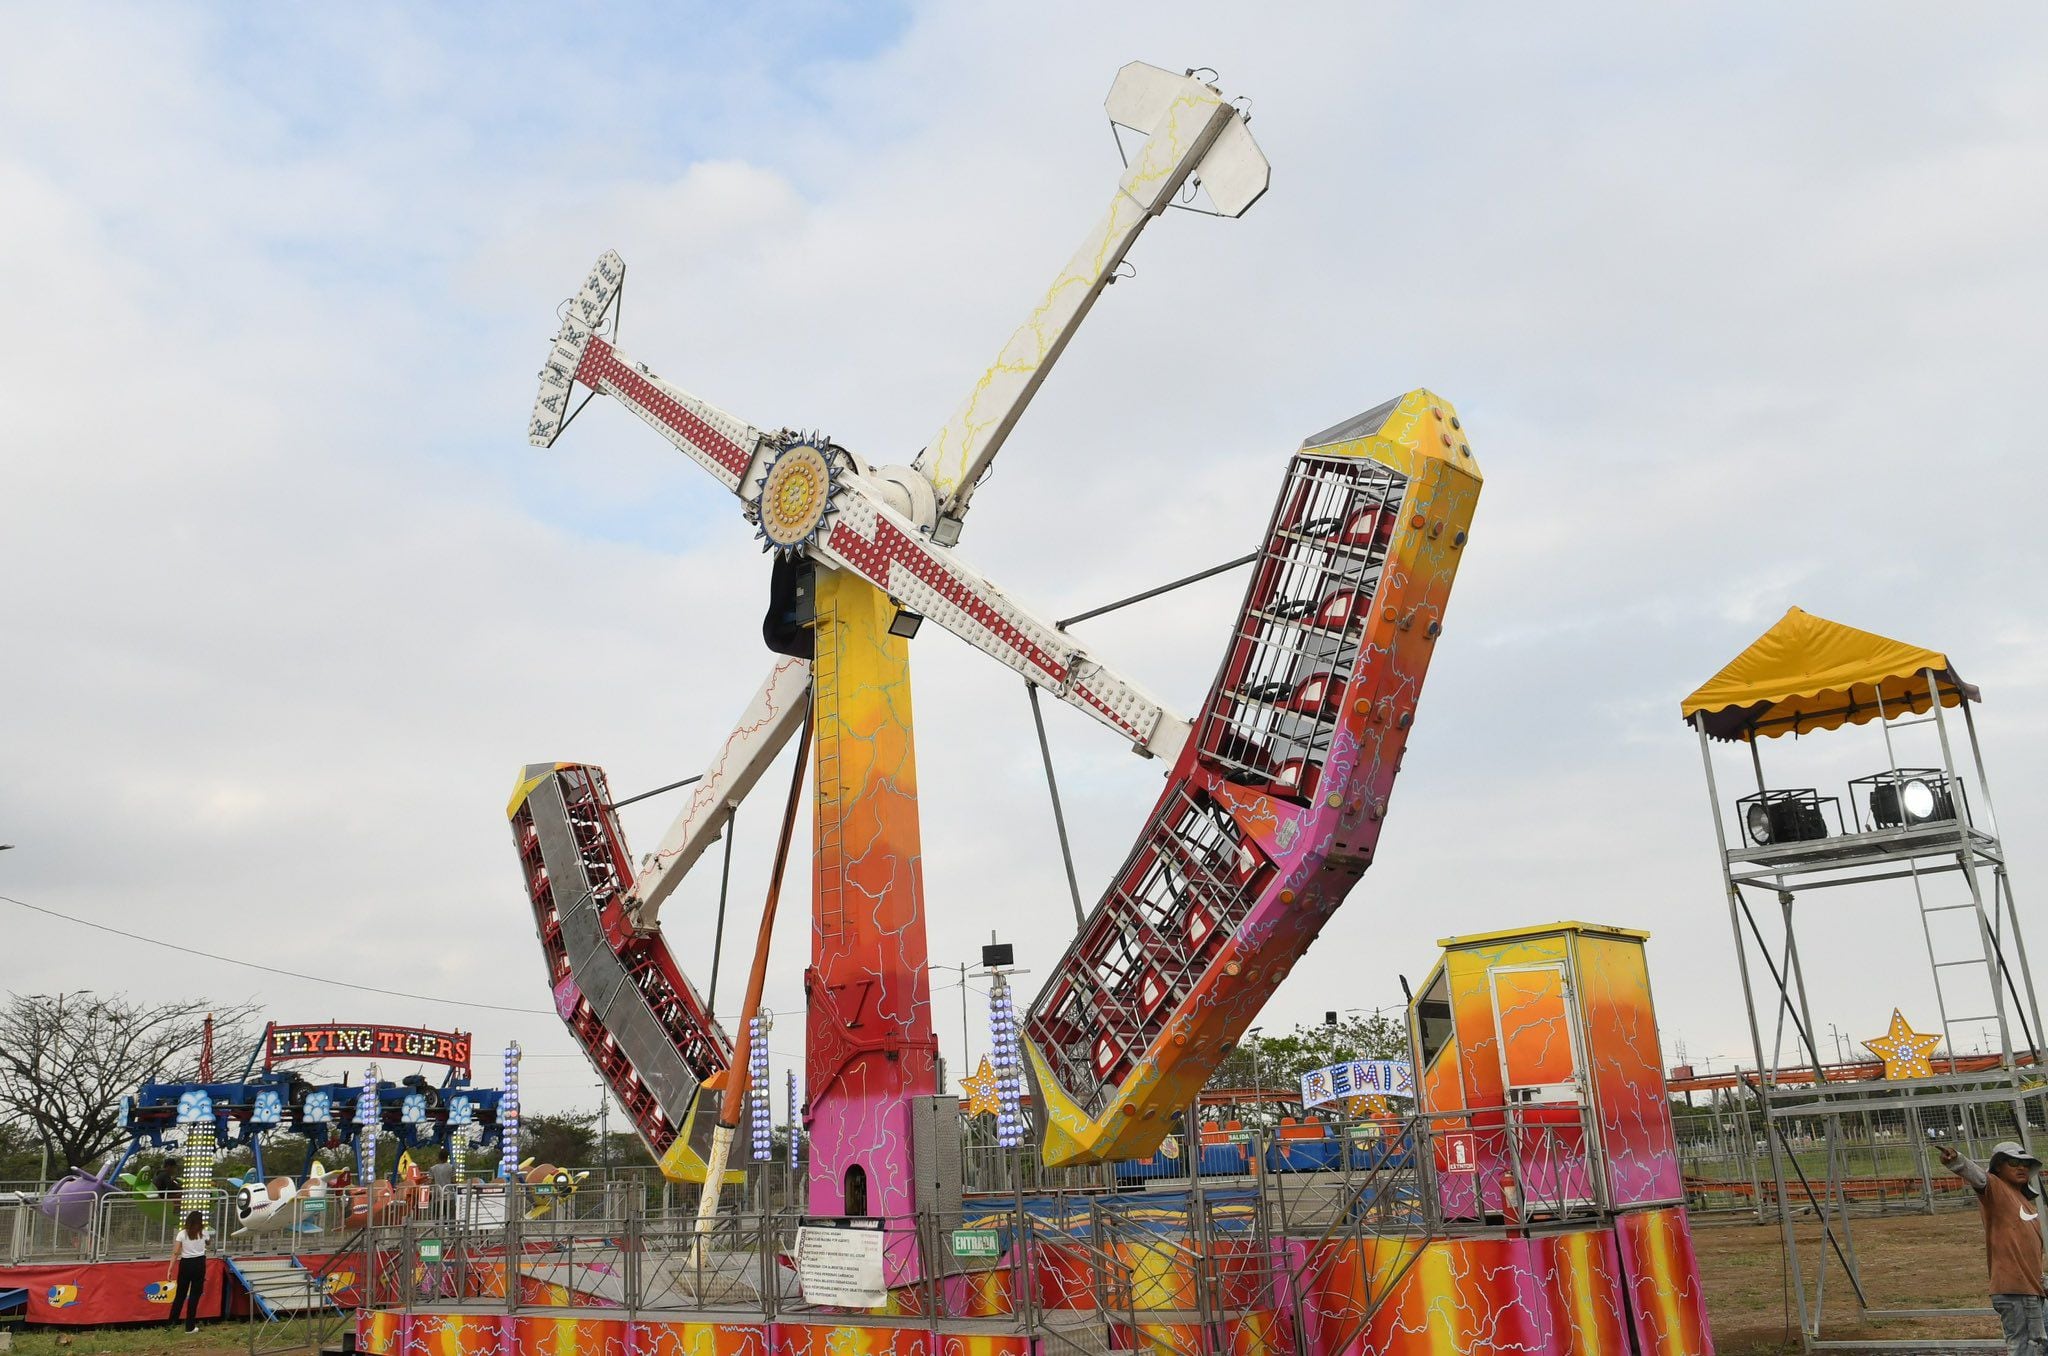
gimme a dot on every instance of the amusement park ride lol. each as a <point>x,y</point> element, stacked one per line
<point>84,1266</point>
<point>1275,792</point>
<point>1532,1200</point>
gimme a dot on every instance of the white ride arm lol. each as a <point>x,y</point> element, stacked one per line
<point>1189,130</point>
<point>775,714</point>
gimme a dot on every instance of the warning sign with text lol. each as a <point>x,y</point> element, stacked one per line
<point>841,1264</point>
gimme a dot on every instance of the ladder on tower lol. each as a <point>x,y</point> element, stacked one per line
<point>830,844</point>
<point>1955,969</point>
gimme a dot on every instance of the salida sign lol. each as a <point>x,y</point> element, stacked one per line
<point>331,1040</point>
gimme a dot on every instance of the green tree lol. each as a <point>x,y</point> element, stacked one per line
<point>67,1059</point>
<point>567,1139</point>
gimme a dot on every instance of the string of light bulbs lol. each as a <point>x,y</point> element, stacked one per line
<point>759,1108</point>
<point>1009,1066</point>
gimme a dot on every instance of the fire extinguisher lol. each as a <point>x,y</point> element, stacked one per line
<point>1510,1199</point>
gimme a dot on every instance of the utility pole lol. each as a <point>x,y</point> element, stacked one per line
<point>966,1067</point>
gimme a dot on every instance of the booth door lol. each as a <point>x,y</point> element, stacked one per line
<point>1542,1064</point>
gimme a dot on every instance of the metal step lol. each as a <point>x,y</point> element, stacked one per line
<point>1076,1330</point>
<point>278,1285</point>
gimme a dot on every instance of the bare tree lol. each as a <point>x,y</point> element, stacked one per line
<point>66,1060</point>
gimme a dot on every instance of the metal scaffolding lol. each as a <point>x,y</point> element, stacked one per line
<point>1979,973</point>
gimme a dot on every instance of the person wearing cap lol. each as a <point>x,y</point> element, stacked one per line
<point>2012,1239</point>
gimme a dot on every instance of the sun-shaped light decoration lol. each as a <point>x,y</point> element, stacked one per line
<point>797,490</point>
<point>1904,1051</point>
<point>981,1090</point>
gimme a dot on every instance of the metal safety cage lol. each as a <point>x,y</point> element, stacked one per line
<point>1274,714</point>
<point>1906,797</point>
<point>1177,901</point>
<point>1787,816</point>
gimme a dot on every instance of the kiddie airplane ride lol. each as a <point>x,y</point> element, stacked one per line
<point>1536,1204</point>
<point>98,1258</point>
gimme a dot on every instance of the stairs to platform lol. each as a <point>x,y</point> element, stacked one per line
<point>279,1286</point>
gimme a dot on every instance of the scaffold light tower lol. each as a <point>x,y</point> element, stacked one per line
<point>1914,827</point>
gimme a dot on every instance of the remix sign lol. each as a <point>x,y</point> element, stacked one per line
<point>1357,1078</point>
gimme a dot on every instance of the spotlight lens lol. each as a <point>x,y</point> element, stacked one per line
<point>1918,800</point>
<point>1757,818</point>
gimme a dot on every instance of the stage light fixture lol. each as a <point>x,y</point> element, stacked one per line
<point>905,623</point>
<point>1791,816</point>
<point>1905,797</point>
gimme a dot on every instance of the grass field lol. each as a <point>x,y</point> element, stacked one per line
<point>216,1339</point>
<point>228,1338</point>
<point>1907,1261</point>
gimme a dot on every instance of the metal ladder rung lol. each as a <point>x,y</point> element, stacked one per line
<point>1943,965</point>
<point>1946,908</point>
<point>1987,1017</point>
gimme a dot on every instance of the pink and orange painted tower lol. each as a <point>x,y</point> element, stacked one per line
<point>870,1047</point>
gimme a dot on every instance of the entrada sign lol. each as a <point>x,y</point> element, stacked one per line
<point>331,1040</point>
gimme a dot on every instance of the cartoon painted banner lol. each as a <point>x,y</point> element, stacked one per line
<point>87,1295</point>
<point>1357,1078</point>
<point>344,1040</point>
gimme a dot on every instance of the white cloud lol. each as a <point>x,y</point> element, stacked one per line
<point>1739,317</point>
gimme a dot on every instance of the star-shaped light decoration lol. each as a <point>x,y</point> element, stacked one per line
<point>981,1090</point>
<point>1904,1051</point>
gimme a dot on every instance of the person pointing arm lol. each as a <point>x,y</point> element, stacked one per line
<point>2011,1211</point>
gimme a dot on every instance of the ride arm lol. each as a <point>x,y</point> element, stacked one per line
<point>870,539</point>
<point>866,536</point>
<point>1190,131</point>
<point>775,713</point>
<point>716,441</point>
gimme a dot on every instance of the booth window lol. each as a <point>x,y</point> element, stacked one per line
<point>1433,1017</point>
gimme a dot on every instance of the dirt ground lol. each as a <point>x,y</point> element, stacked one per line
<point>1907,1261</point>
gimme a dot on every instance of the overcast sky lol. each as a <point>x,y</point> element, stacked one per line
<point>1743,307</point>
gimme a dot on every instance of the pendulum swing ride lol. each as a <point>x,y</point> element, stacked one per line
<point>1275,793</point>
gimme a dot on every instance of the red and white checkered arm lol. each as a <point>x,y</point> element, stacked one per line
<point>867,537</point>
<point>713,439</point>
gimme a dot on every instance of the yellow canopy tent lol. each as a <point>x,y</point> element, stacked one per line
<point>1807,673</point>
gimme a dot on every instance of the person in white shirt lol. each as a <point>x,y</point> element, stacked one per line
<point>188,1269</point>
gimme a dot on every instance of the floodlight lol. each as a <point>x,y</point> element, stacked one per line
<point>1790,816</point>
<point>1904,797</point>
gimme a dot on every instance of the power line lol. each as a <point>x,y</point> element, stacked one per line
<point>272,969</point>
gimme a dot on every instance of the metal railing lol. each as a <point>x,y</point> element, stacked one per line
<point>1258,1263</point>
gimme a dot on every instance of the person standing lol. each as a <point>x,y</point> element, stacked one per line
<point>2012,1239</point>
<point>188,1269</point>
<point>441,1177</point>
